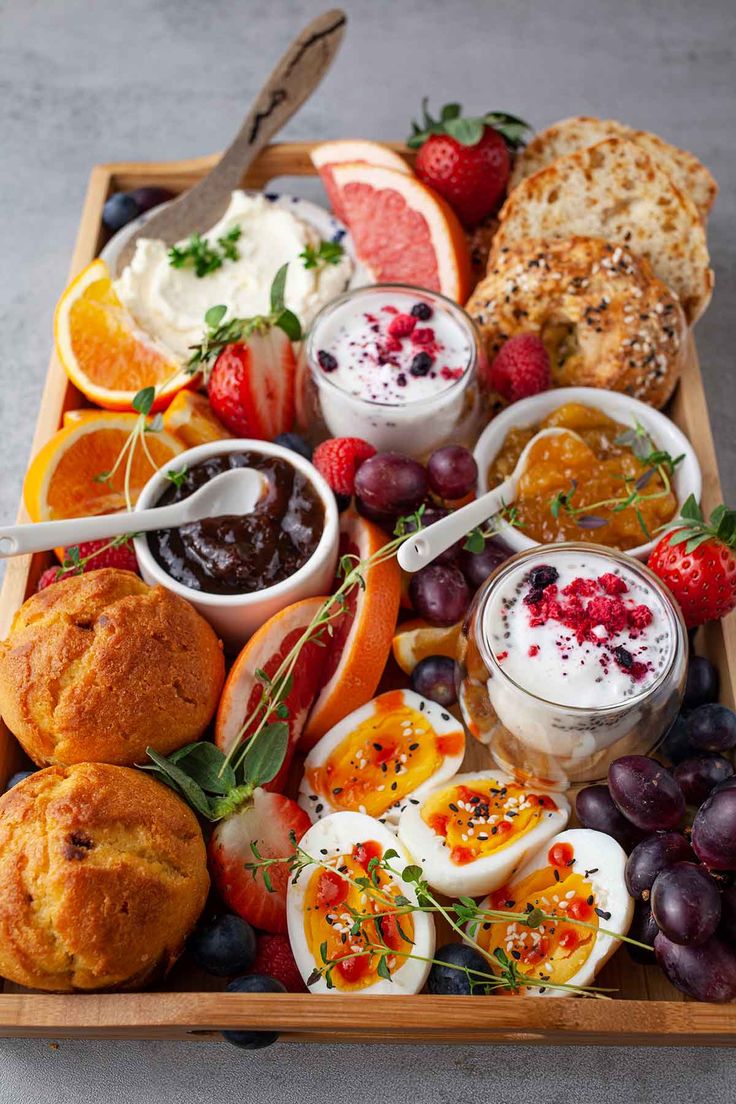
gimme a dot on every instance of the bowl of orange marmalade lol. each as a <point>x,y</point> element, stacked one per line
<point>620,474</point>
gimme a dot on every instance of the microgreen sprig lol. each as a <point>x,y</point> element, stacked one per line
<point>204,257</point>
<point>327,253</point>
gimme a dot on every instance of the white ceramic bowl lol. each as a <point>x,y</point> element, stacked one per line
<point>687,479</point>
<point>235,617</point>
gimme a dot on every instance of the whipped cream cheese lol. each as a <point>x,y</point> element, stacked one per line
<point>170,303</point>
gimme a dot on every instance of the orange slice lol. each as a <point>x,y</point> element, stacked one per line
<point>415,640</point>
<point>328,154</point>
<point>190,418</point>
<point>103,351</point>
<point>361,640</point>
<point>402,230</point>
<point>60,482</point>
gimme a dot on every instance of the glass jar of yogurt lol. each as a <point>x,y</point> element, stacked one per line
<point>571,655</point>
<point>395,365</point>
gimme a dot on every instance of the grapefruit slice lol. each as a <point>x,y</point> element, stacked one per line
<point>329,154</point>
<point>265,651</point>
<point>361,640</point>
<point>402,230</point>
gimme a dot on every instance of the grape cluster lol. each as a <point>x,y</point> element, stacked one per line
<point>682,880</point>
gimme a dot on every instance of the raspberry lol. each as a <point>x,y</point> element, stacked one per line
<point>423,335</point>
<point>521,368</point>
<point>585,588</point>
<point>612,584</point>
<point>609,612</point>
<point>121,556</point>
<point>339,458</point>
<point>640,617</point>
<point>275,959</point>
<point>401,325</point>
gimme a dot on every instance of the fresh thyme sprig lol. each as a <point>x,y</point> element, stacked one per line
<point>327,253</point>
<point>204,257</point>
<point>476,539</point>
<point>74,562</point>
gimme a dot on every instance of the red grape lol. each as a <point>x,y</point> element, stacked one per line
<point>645,792</point>
<point>644,928</point>
<point>706,972</point>
<point>696,777</point>
<point>439,592</point>
<point>477,566</point>
<point>702,683</point>
<point>676,743</point>
<point>714,828</point>
<point>434,678</point>
<point>712,727</point>
<point>595,808</point>
<point>727,929</point>
<point>650,857</point>
<point>452,472</point>
<point>391,483</point>
<point>686,903</point>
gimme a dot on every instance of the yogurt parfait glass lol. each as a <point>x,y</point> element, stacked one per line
<point>570,656</point>
<point>395,365</point>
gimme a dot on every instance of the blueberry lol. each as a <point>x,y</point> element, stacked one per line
<point>327,361</point>
<point>223,946</point>
<point>712,727</point>
<point>296,443</point>
<point>149,197</point>
<point>450,979</point>
<point>676,744</point>
<point>254,983</point>
<point>421,364</point>
<point>434,678</point>
<point>702,683</point>
<point>422,311</point>
<point>19,776</point>
<point>119,210</point>
<point>543,576</point>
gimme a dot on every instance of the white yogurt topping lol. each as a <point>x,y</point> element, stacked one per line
<point>170,303</point>
<point>618,651</point>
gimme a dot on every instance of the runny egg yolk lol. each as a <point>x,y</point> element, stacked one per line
<point>556,949</point>
<point>331,895</point>
<point>384,758</point>
<point>477,821</point>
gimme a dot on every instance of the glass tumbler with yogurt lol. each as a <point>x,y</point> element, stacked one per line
<point>395,365</point>
<point>570,656</point>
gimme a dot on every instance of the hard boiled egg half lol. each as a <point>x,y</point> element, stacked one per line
<point>471,833</point>
<point>576,876</point>
<point>325,898</point>
<point>384,755</point>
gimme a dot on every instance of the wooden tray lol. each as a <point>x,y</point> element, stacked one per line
<point>648,1011</point>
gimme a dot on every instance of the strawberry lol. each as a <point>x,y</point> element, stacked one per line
<point>339,459</point>
<point>467,160</point>
<point>275,958</point>
<point>521,368</point>
<point>251,386</point>
<point>267,822</point>
<point>697,561</point>
<point>88,556</point>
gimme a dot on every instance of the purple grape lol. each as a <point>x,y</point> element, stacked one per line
<point>686,903</point>
<point>650,857</point>
<point>439,593</point>
<point>452,472</point>
<point>477,566</point>
<point>706,972</point>
<point>149,197</point>
<point>595,809</point>
<point>727,929</point>
<point>702,683</point>
<point>391,483</point>
<point>714,828</point>
<point>434,678</point>
<point>645,792</point>
<point>676,744</point>
<point>119,210</point>
<point>696,777</point>
<point>712,727</point>
<point>644,928</point>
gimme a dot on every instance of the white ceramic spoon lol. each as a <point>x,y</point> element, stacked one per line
<point>431,542</point>
<point>234,492</point>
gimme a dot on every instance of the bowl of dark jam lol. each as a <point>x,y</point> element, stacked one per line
<point>239,570</point>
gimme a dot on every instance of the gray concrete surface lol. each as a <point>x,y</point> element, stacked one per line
<point>82,82</point>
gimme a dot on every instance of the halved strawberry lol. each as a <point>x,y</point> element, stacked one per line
<point>251,387</point>
<point>268,822</point>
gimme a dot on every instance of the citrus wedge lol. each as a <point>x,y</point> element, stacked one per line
<point>61,481</point>
<point>361,641</point>
<point>102,350</point>
<point>190,418</point>
<point>402,230</point>
<point>415,640</point>
<point>328,154</point>
<point>265,651</point>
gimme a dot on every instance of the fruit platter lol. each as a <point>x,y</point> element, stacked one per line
<point>368,652</point>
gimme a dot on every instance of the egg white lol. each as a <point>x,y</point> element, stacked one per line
<point>318,805</point>
<point>605,859</point>
<point>484,874</point>
<point>337,835</point>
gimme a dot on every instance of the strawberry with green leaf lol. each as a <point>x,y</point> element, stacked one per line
<point>697,561</point>
<point>467,159</point>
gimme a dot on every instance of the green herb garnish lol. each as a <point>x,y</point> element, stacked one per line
<point>328,253</point>
<point>204,257</point>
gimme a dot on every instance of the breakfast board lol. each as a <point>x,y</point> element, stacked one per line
<point>647,1010</point>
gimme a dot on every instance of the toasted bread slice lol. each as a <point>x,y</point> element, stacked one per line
<point>689,174</point>
<point>615,191</point>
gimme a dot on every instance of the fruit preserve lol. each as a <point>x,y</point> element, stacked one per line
<point>576,486</point>
<point>570,656</point>
<point>239,555</point>
<point>395,365</point>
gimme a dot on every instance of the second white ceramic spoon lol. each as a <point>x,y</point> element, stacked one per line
<point>426,545</point>
<point>234,492</point>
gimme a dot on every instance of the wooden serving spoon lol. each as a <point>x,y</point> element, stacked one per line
<point>293,80</point>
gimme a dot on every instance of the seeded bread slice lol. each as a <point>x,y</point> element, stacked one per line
<point>688,173</point>
<point>615,191</point>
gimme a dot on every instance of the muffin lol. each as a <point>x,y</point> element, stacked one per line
<point>98,667</point>
<point>102,876</point>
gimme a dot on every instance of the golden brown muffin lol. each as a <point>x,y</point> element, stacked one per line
<point>98,667</point>
<point>604,317</point>
<point>103,874</point>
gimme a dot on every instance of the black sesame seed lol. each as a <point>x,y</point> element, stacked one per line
<point>603,914</point>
